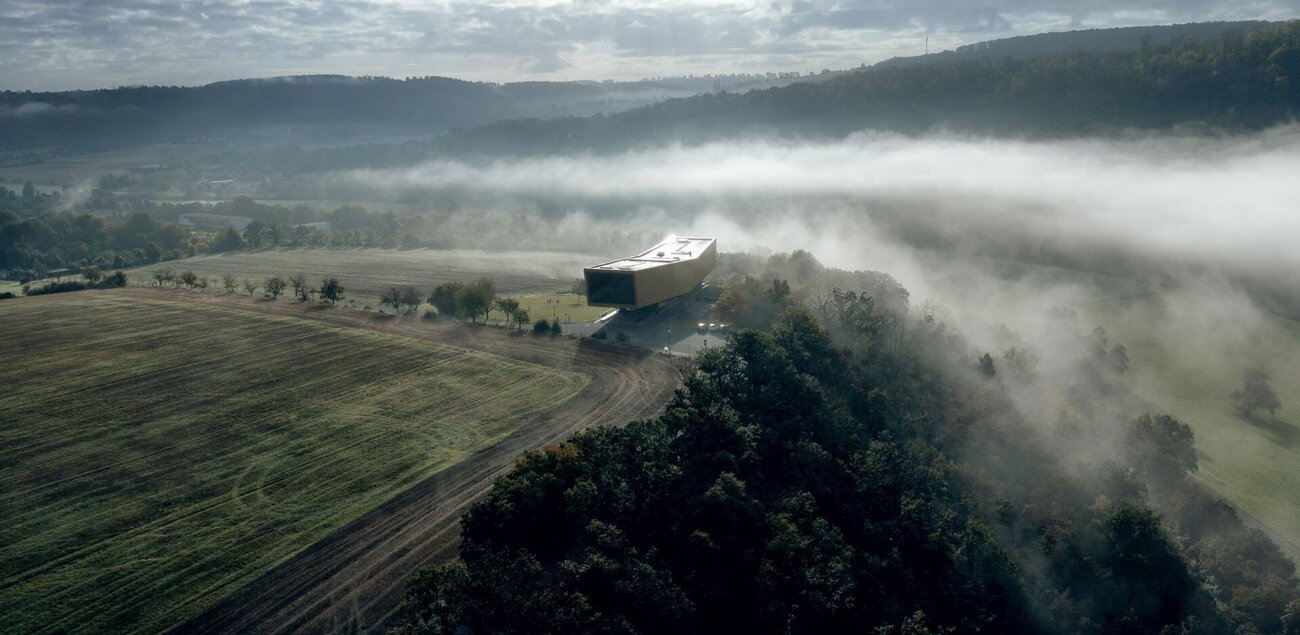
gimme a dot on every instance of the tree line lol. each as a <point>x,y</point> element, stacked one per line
<point>318,107</point>
<point>459,300</point>
<point>35,247</point>
<point>471,300</point>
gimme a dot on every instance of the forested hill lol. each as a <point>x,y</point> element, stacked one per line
<point>1236,82</point>
<point>855,466</point>
<point>320,107</point>
<point>1094,41</point>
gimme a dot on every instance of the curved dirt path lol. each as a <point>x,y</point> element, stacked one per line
<point>351,581</point>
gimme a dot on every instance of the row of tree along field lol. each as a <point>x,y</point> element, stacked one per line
<point>465,301</point>
<point>854,464</point>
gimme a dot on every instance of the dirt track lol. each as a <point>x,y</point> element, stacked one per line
<point>351,581</point>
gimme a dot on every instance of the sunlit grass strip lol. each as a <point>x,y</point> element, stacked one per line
<point>566,307</point>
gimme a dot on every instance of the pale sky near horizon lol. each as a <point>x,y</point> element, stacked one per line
<point>69,44</point>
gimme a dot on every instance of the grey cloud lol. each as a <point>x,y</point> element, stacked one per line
<point>66,43</point>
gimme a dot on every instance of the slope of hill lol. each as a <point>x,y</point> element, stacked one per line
<point>1093,41</point>
<point>306,109</point>
<point>850,469</point>
<point>1233,82</point>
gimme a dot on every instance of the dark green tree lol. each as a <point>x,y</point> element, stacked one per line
<point>331,289</point>
<point>275,286</point>
<point>444,298</point>
<point>1256,393</point>
<point>410,298</point>
<point>392,297</point>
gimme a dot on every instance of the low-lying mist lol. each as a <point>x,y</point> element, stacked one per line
<point>943,214</point>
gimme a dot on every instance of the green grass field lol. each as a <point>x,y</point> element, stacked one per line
<point>366,273</point>
<point>567,307</point>
<point>158,455</point>
<point>1187,353</point>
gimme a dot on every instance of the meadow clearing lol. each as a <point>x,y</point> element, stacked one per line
<point>1185,359</point>
<point>366,273</point>
<point>565,307</point>
<point>1187,349</point>
<point>160,454</point>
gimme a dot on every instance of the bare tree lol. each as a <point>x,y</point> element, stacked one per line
<point>250,286</point>
<point>299,283</point>
<point>163,276</point>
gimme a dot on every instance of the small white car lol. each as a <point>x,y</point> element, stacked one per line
<point>712,326</point>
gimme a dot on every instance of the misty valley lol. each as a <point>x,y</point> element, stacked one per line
<point>1003,338</point>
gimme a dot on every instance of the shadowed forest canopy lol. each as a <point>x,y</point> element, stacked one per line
<point>1235,81</point>
<point>317,108</point>
<point>851,467</point>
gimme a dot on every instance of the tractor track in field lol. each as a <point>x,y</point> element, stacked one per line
<point>351,581</point>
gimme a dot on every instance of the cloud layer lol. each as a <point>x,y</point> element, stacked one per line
<point>1188,207</point>
<point>1175,194</point>
<point>60,44</point>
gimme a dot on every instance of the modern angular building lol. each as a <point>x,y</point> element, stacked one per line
<point>670,269</point>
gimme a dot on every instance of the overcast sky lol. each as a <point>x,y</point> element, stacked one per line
<point>62,44</point>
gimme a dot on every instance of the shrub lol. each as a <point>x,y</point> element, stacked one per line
<point>430,314</point>
<point>115,281</point>
<point>5,295</point>
<point>58,287</point>
<point>541,327</point>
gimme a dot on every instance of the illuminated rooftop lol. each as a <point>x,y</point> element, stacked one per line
<point>672,249</point>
